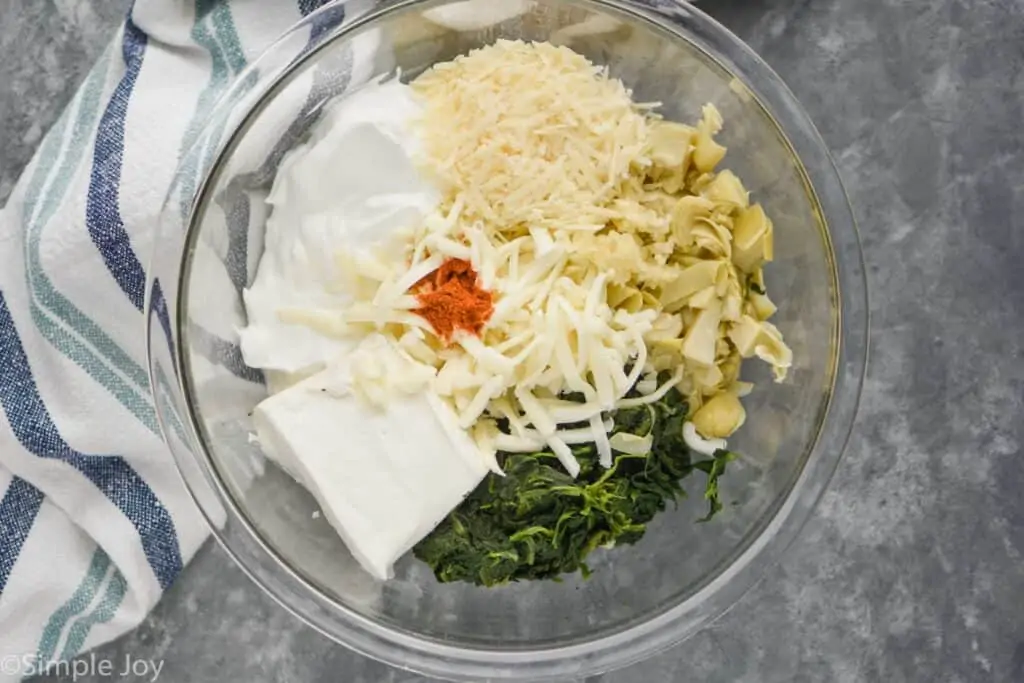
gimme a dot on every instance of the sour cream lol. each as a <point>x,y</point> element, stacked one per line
<point>352,185</point>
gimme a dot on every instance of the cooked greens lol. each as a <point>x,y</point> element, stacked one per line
<point>537,522</point>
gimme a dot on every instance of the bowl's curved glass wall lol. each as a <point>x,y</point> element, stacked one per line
<point>205,269</point>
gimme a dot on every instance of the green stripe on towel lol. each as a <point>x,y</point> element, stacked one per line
<point>117,588</point>
<point>79,601</point>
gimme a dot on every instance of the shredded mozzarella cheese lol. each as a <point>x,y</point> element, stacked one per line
<point>612,251</point>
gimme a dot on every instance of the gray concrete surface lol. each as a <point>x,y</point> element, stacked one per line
<point>911,570</point>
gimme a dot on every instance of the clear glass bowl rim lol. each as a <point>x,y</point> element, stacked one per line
<point>615,650</point>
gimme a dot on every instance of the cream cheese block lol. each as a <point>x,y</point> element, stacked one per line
<point>384,477</point>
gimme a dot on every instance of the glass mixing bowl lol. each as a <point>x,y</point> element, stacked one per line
<point>640,599</point>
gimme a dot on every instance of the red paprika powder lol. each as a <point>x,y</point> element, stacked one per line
<point>451,299</point>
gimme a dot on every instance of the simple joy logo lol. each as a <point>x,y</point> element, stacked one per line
<point>129,667</point>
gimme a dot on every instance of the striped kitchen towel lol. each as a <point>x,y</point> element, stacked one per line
<point>94,521</point>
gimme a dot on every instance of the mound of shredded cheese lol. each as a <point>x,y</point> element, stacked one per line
<point>612,249</point>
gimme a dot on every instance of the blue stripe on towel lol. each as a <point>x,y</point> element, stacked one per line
<point>159,308</point>
<point>307,6</point>
<point>102,210</point>
<point>321,23</point>
<point>112,475</point>
<point>18,510</point>
<point>222,353</point>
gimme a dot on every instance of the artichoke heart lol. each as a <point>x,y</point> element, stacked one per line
<point>720,416</point>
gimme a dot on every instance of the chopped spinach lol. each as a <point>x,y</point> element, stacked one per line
<point>537,522</point>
